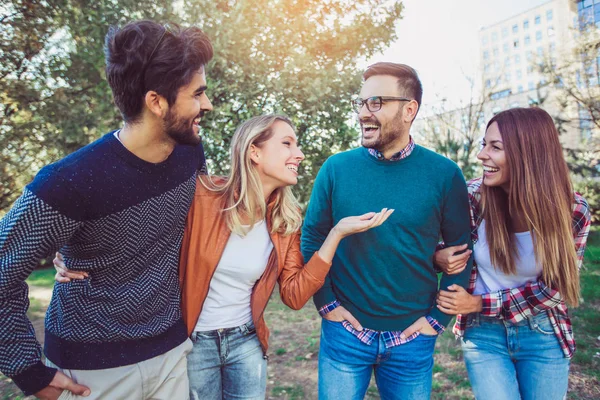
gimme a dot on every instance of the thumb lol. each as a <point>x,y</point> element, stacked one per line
<point>409,331</point>
<point>77,389</point>
<point>353,321</point>
<point>454,287</point>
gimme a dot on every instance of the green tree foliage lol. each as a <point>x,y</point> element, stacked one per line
<point>297,57</point>
<point>54,98</point>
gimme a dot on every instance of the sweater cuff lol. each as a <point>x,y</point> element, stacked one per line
<point>491,304</point>
<point>34,378</point>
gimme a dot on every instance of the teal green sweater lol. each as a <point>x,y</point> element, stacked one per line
<point>385,276</point>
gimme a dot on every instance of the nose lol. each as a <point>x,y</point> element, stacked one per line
<point>205,104</point>
<point>299,154</point>
<point>482,155</point>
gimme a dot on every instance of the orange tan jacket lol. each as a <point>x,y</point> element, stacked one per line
<point>205,237</point>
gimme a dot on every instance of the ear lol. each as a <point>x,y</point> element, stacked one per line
<point>156,104</point>
<point>255,154</point>
<point>410,111</point>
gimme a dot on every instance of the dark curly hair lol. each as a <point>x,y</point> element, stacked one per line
<point>144,56</point>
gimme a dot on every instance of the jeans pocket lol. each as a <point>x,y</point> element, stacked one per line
<point>542,324</point>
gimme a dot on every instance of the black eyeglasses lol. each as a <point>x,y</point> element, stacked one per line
<point>374,103</point>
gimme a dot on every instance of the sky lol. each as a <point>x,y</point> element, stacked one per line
<point>439,38</point>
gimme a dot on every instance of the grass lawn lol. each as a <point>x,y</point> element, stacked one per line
<point>294,345</point>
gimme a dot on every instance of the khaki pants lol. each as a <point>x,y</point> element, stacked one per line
<point>162,377</point>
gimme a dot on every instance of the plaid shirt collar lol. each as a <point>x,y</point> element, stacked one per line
<point>402,154</point>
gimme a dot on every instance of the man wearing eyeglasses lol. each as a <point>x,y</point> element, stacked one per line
<point>116,209</point>
<point>378,301</point>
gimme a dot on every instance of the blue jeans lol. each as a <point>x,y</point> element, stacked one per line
<point>514,361</point>
<point>227,364</point>
<point>346,364</point>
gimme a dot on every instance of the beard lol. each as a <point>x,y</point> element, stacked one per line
<point>388,133</point>
<point>181,130</point>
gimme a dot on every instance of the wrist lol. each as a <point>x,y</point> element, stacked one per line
<point>337,233</point>
<point>477,303</point>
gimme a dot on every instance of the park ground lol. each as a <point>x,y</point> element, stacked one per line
<point>294,345</point>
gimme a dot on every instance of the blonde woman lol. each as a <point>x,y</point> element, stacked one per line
<point>242,236</point>
<point>529,231</point>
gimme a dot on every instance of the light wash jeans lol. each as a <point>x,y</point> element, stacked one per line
<point>514,361</point>
<point>227,364</point>
<point>346,364</point>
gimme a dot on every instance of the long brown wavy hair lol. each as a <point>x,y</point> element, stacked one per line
<point>540,190</point>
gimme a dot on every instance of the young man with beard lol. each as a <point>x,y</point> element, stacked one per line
<point>116,209</point>
<point>378,302</point>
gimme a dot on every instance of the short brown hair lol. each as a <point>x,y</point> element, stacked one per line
<point>145,55</point>
<point>408,79</point>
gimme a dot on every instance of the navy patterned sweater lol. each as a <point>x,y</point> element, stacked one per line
<point>119,218</point>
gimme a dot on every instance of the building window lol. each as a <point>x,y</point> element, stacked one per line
<point>552,47</point>
<point>486,55</point>
<point>537,19</point>
<point>519,74</point>
<point>501,94</point>
<point>505,47</point>
<point>538,35</point>
<point>520,88</point>
<point>515,28</point>
<point>549,15</point>
<point>507,61</point>
<point>529,69</point>
<point>550,31</point>
<point>517,59</point>
<point>495,51</point>
<point>507,77</point>
<point>488,83</point>
<point>484,40</point>
<point>530,85</point>
<point>494,36</point>
<point>529,55</point>
<point>486,68</point>
<point>527,40</point>
<point>504,32</point>
<point>540,51</point>
<point>526,24</point>
<point>516,44</point>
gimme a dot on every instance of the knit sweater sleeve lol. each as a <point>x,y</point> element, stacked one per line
<point>30,231</point>
<point>455,231</point>
<point>317,224</point>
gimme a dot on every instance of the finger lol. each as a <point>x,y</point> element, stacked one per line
<point>459,258</point>
<point>385,216</point>
<point>61,279</point>
<point>366,216</point>
<point>58,262</point>
<point>59,256</point>
<point>446,310</point>
<point>458,248</point>
<point>77,389</point>
<point>457,270</point>
<point>409,331</point>
<point>456,288</point>
<point>353,321</point>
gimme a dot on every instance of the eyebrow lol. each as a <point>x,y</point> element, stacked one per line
<point>201,89</point>
<point>496,141</point>
<point>290,137</point>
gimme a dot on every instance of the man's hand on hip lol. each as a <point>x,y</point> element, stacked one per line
<point>60,383</point>
<point>340,314</point>
<point>421,325</point>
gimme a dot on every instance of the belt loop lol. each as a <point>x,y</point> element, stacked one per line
<point>531,321</point>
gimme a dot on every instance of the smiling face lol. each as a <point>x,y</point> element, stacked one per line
<point>183,118</point>
<point>380,129</point>
<point>277,159</point>
<point>493,158</point>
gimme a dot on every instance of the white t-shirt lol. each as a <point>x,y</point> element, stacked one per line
<point>243,262</point>
<point>490,279</point>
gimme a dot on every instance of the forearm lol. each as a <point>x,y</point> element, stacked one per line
<point>330,245</point>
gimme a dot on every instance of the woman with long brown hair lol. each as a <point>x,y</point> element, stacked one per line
<point>529,231</point>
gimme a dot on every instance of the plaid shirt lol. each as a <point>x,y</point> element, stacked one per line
<point>391,338</point>
<point>517,304</point>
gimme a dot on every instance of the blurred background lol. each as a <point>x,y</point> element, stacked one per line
<point>304,58</point>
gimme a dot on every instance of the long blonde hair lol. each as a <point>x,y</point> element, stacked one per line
<point>242,190</point>
<point>540,190</point>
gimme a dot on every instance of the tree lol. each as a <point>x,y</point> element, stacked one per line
<point>54,98</point>
<point>297,57</point>
<point>575,77</point>
<point>456,132</point>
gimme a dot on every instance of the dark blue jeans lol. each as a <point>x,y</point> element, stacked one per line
<point>514,361</point>
<point>346,364</point>
<point>227,364</point>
